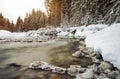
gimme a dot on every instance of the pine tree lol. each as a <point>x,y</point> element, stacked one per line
<point>2,20</point>
<point>35,20</point>
<point>19,24</point>
<point>54,11</point>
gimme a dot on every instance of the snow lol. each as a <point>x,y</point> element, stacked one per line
<point>82,30</point>
<point>9,35</point>
<point>86,31</point>
<point>108,41</point>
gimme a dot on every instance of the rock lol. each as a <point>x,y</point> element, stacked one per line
<point>90,50</point>
<point>95,60</point>
<point>95,68</point>
<point>102,76</point>
<point>41,65</point>
<point>59,70</point>
<point>92,54</point>
<point>82,43</point>
<point>85,50</point>
<point>98,54</point>
<point>74,69</point>
<point>76,54</point>
<point>46,66</point>
<point>88,56</point>
<point>81,48</point>
<point>81,70</point>
<point>78,76</point>
<point>107,71</point>
<point>88,74</point>
<point>113,74</point>
<point>82,38</point>
<point>105,65</point>
<point>35,65</point>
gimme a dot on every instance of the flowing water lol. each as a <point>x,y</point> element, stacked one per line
<point>54,52</point>
<point>26,53</point>
<point>13,55</point>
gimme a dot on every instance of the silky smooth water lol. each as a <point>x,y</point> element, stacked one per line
<point>58,52</point>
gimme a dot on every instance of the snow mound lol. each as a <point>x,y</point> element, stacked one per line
<point>108,40</point>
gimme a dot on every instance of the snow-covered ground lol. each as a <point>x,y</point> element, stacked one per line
<point>8,35</point>
<point>40,33</point>
<point>82,30</point>
<point>100,36</point>
<point>108,41</point>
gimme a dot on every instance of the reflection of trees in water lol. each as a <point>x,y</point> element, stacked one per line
<point>62,56</point>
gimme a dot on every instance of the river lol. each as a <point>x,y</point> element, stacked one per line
<point>55,52</point>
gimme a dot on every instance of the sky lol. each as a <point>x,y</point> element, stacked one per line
<point>11,9</point>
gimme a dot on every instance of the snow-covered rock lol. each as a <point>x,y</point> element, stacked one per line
<point>39,64</point>
<point>75,69</point>
<point>88,74</point>
<point>46,66</point>
<point>59,70</point>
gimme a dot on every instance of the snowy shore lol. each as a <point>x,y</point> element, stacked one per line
<point>101,37</point>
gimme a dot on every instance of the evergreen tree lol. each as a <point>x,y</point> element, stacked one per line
<point>35,20</point>
<point>19,24</point>
<point>54,11</point>
<point>2,20</point>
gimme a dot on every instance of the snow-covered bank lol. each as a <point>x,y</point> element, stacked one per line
<point>40,35</point>
<point>108,41</point>
<point>9,35</point>
<point>82,31</point>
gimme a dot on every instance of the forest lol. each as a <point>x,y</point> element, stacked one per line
<point>33,21</point>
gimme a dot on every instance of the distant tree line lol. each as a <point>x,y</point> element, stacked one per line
<point>32,21</point>
<point>5,24</point>
<point>35,19</point>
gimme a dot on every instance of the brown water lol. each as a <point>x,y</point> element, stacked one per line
<point>26,53</point>
<point>54,52</point>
